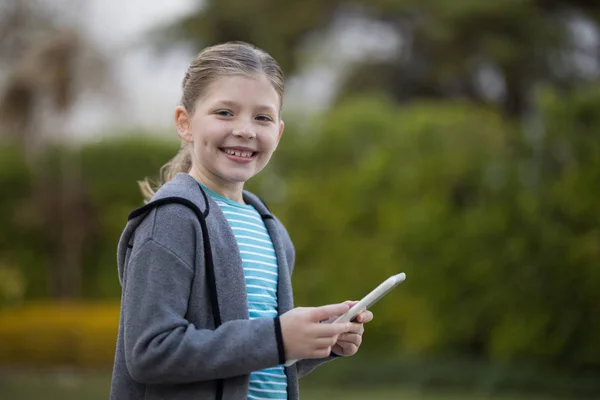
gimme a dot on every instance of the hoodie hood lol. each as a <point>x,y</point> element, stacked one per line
<point>182,189</point>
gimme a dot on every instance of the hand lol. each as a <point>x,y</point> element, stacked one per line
<point>304,336</point>
<point>349,342</point>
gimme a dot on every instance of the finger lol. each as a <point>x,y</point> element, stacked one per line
<point>347,348</point>
<point>330,320</point>
<point>323,342</point>
<point>328,330</point>
<point>353,338</point>
<point>351,303</point>
<point>325,312</point>
<point>356,327</point>
<point>322,353</point>
<point>364,317</point>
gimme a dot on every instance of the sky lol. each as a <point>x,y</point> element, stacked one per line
<point>147,85</point>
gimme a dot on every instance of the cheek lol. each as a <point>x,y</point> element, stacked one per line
<point>270,140</point>
<point>207,135</point>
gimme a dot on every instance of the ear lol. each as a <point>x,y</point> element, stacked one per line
<point>281,127</point>
<point>183,124</point>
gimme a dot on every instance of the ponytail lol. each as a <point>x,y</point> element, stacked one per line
<point>182,162</point>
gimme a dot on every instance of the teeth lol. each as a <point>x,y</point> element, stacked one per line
<point>238,153</point>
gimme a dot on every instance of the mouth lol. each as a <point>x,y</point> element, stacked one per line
<point>239,153</point>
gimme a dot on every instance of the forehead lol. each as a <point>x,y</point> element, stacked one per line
<point>252,91</point>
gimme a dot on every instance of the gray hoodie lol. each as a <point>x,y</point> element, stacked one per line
<point>184,330</point>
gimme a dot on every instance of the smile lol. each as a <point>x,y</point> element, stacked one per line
<point>239,155</point>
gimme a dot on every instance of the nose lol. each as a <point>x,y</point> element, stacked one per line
<point>244,129</point>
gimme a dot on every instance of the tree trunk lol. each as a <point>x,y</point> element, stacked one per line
<point>68,269</point>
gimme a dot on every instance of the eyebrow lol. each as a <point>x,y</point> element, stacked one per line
<point>233,104</point>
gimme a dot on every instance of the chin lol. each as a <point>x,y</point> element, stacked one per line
<point>237,178</point>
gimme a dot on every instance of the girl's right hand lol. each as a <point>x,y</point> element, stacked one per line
<point>304,336</point>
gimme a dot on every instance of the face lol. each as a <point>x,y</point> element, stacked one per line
<point>234,130</point>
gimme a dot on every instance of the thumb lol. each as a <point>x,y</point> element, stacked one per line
<point>325,312</point>
<point>351,303</point>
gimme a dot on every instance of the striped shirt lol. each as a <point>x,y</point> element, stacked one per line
<point>261,273</point>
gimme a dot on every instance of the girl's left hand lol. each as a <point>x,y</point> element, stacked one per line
<point>349,342</point>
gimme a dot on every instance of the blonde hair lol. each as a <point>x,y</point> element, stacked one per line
<point>226,59</point>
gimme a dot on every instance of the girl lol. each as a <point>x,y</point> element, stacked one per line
<point>207,308</point>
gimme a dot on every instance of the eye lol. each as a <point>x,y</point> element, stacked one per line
<point>264,118</point>
<point>224,113</point>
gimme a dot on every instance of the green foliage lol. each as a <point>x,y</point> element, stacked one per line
<point>20,244</point>
<point>444,43</point>
<point>498,264</point>
<point>388,190</point>
<point>494,223</point>
<point>112,169</point>
<point>59,333</point>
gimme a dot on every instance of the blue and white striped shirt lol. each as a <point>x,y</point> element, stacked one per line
<point>261,273</point>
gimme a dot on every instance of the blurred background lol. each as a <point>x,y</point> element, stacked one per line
<point>457,141</point>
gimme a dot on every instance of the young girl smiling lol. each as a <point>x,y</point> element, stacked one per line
<point>207,307</point>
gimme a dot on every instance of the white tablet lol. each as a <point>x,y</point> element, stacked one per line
<point>366,302</point>
<point>376,294</point>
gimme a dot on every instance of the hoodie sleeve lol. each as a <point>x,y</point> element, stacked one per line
<point>305,367</point>
<point>161,345</point>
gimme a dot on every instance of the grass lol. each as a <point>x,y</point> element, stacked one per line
<point>67,385</point>
<point>54,386</point>
<point>395,394</point>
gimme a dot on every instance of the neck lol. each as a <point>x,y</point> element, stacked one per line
<point>229,190</point>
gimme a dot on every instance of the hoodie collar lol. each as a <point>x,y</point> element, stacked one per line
<point>184,185</point>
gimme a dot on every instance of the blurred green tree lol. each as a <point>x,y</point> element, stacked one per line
<point>501,259</point>
<point>47,67</point>
<point>448,47</point>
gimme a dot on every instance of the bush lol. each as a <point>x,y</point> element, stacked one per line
<point>495,223</point>
<point>73,334</point>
